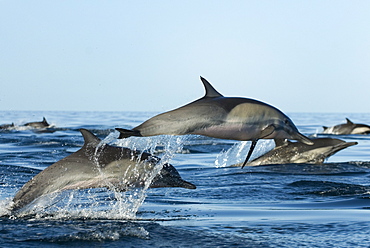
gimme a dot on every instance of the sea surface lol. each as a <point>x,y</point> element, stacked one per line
<point>290,205</point>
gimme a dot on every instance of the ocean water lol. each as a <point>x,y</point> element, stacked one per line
<point>288,205</point>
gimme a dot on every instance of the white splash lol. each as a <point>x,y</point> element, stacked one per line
<point>238,152</point>
<point>5,206</point>
<point>103,203</point>
<point>130,201</point>
<point>124,205</point>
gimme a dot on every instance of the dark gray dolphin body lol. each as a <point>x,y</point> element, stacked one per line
<point>214,115</point>
<point>38,124</point>
<point>347,128</point>
<point>287,152</point>
<point>95,166</point>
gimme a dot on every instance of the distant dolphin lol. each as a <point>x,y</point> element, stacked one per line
<point>95,166</point>
<point>221,117</point>
<point>347,128</point>
<point>38,124</point>
<point>287,152</point>
<point>6,126</point>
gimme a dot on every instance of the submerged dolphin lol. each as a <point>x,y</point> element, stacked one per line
<point>95,166</point>
<point>287,152</point>
<point>221,117</point>
<point>6,126</point>
<point>347,128</point>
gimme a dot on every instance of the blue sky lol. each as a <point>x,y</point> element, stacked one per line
<point>300,56</point>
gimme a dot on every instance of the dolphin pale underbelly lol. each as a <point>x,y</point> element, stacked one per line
<point>96,166</point>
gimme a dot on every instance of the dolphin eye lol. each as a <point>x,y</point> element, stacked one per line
<point>286,121</point>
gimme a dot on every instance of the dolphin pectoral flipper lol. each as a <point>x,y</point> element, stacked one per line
<point>125,133</point>
<point>264,133</point>
<point>267,131</point>
<point>253,145</point>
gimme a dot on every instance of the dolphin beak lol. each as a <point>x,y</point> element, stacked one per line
<point>186,185</point>
<point>300,137</point>
<point>179,183</point>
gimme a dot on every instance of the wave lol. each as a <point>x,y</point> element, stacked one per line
<point>328,188</point>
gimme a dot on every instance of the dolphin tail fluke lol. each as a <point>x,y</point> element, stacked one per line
<point>125,133</point>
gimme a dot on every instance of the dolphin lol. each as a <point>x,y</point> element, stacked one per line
<point>38,124</point>
<point>98,166</point>
<point>286,152</point>
<point>347,128</point>
<point>6,126</point>
<point>214,115</point>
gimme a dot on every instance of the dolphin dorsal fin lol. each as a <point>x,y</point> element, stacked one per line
<point>89,137</point>
<point>44,121</point>
<point>210,91</point>
<point>349,121</point>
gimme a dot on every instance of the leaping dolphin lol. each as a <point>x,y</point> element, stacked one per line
<point>347,128</point>
<point>98,166</point>
<point>286,152</point>
<point>214,115</point>
<point>38,124</point>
